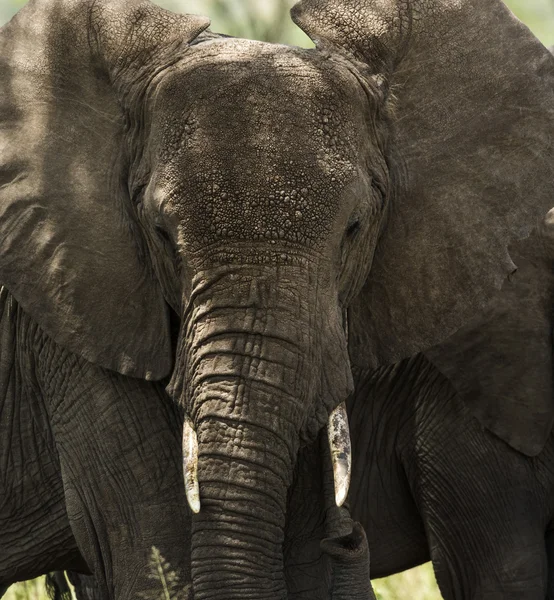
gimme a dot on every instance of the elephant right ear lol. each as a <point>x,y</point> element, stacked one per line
<point>501,363</point>
<point>474,131</point>
<point>71,251</point>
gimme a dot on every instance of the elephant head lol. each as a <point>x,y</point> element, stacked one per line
<point>298,210</point>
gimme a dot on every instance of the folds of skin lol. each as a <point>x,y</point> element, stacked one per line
<point>117,457</point>
<point>339,446</point>
<point>35,533</point>
<point>255,353</point>
<point>431,483</point>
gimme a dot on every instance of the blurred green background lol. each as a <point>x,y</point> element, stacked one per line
<point>269,20</point>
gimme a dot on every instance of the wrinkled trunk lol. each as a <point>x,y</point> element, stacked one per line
<point>253,372</point>
<point>244,400</point>
<point>238,535</point>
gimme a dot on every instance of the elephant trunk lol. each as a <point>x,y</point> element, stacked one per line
<point>253,376</point>
<point>247,442</point>
<point>238,534</point>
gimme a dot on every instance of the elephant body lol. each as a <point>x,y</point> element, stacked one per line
<point>432,482</point>
<point>92,466</point>
<point>36,535</point>
<point>442,488</point>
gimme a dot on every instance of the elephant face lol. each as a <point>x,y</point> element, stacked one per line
<point>268,184</point>
<point>279,163</point>
<point>273,198</point>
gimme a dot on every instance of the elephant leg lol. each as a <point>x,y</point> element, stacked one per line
<point>380,495</point>
<point>483,506</point>
<point>57,587</point>
<point>35,535</point>
<point>119,446</point>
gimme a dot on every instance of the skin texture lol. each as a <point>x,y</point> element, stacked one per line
<point>296,212</point>
<point>93,496</point>
<point>430,482</point>
<point>36,534</point>
<point>437,486</point>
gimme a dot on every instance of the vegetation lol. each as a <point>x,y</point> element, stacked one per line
<point>268,20</point>
<point>417,584</point>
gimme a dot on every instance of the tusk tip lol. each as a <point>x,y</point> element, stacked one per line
<point>342,481</point>
<point>193,499</point>
<point>340,496</point>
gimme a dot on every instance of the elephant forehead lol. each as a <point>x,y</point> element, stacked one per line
<point>266,96</point>
<point>263,137</point>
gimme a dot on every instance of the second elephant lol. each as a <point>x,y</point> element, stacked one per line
<point>442,488</point>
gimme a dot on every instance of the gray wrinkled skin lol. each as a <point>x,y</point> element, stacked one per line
<point>437,486</point>
<point>175,204</point>
<point>428,481</point>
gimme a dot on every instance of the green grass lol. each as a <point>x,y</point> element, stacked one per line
<point>417,584</point>
<point>30,590</point>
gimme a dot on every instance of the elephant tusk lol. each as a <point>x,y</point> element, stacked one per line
<point>338,432</point>
<point>190,465</point>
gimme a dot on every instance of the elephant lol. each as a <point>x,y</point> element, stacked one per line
<point>443,488</point>
<point>245,225</point>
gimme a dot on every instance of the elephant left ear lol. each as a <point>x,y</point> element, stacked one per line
<point>474,135</point>
<point>501,362</point>
<point>73,76</point>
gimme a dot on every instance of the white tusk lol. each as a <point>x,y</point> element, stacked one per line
<point>190,465</point>
<point>341,452</point>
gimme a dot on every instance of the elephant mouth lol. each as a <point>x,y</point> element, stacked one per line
<point>338,434</point>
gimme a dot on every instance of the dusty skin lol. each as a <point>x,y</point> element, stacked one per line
<point>226,231</point>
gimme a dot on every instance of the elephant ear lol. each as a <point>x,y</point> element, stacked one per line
<point>501,362</point>
<point>70,249</point>
<point>474,134</point>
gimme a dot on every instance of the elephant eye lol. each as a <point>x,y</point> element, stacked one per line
<point>137,193</point>
<point>353,226</point>
<point>162,233</point>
